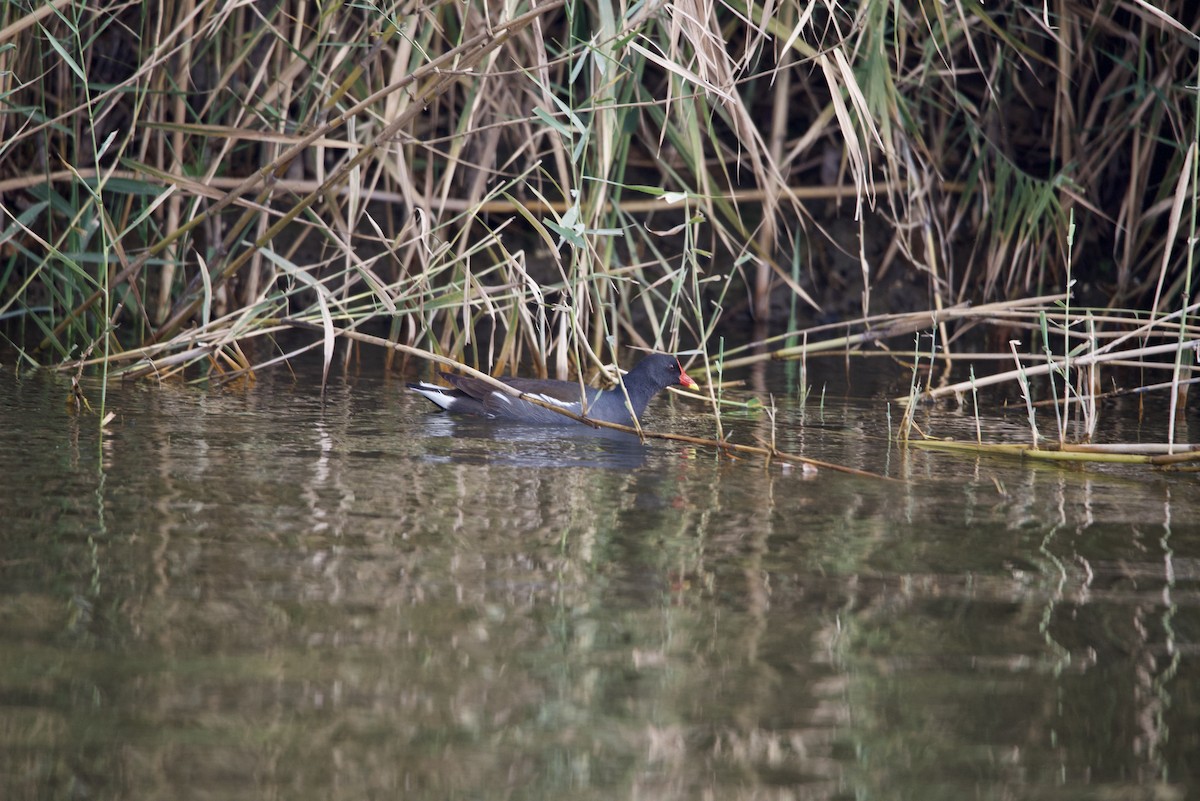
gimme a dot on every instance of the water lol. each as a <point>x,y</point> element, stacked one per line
<point>246,593</point>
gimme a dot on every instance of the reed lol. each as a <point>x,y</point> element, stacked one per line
<point>553,184</point>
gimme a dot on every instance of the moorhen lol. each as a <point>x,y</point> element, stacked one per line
<point>471,396</point>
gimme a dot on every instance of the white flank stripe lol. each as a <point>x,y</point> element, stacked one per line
<point>560,403</point>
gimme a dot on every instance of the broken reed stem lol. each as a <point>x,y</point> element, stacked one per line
<point>216,187</point>
<point>1042,369</point>
<point>886,327</point>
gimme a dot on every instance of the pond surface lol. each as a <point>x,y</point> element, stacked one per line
<point>246,593</point>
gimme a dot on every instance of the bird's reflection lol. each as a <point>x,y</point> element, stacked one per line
<point>477,440</point>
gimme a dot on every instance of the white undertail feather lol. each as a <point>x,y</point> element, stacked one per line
<point>434,393</point>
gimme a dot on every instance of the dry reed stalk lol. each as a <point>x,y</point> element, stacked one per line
<point>1157,454</point>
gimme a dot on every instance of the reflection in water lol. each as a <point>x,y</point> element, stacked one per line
<point>258,595</point>
<point>479,441</point>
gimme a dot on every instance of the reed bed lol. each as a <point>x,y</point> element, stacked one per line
<point>185,185</point>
